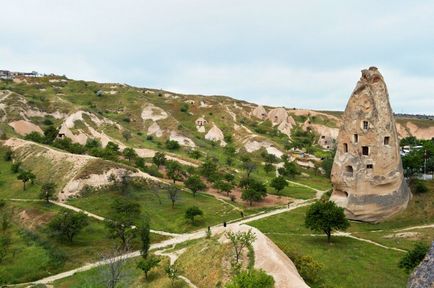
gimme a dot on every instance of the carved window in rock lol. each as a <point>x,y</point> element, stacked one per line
<point>386,140</point>
<point>365,125</point>
<point>365,150</point>
<point>356,138</point>
<point>369,166</point>
<point>349,170</point>
<point>345,147</point>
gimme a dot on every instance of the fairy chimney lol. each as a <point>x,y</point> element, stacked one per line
<point>367,172</point>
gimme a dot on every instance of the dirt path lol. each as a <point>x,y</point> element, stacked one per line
<point>416,227</point>
<point>180,238</point>
<point>172,258</point>
<point>97,217</point>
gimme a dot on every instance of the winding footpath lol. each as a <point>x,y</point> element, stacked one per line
<point>275,262</point>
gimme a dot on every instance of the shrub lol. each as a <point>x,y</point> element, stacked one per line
<point>172,145</point>
<point>250,279</point>
<point>413,257</point>
<point>419,186</point>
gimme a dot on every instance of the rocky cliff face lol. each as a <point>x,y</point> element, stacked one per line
<point>423,275</point>
<point>367,173</point>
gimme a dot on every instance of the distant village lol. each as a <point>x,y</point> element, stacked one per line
<point>9,75</point>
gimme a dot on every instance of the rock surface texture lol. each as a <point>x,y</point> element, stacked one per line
<point>367,172</point>
<point>423,275</point>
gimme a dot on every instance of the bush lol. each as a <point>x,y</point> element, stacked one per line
<point>8,155</point>
<point>418,186</point>
<point>172,145</point>
<point>251,279</point>
<point>308,268</point>
<point>413,257</point>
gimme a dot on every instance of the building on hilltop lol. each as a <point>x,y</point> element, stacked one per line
<point>367,172</point>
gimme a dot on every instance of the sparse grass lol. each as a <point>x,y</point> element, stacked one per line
<point>132,277</point>
<point>214,259</point>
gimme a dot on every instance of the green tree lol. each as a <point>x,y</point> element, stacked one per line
<point>126,134</point>
<point>8,156</point>
<point>172,145</point>
<point>172,273</point>
<point>129,153</point>
<point>195,184</point>
<point>145,237</point>
<point>26,176</point>
<point>173,192</point>
<point>278,183</point>
<point>5,243</point>
<point>123,214</point>
<point>254,191</point>
<point>413,257</point>
<point>224,186</point>
<point>159,159</point>
<point>326,217</point>
<point>251,278</point>
<point>15,167</point>
<point>50,134</point>
<point>192,212</point>
<point>47,191</point>
<point>146,265</point>
<point>249,166</point>
<point>268,168</point>
<point>239,241</point>
<point>67,224</point>
<point>174,170</point>
<point>289,169</point>
<point>209,169</point>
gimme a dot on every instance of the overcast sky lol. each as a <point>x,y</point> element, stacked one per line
<point>305,54</point>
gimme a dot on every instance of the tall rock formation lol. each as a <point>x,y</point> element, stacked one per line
<point>423,275</point>
<point>367,172</point>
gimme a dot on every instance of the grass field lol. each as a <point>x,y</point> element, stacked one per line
<point>345,262</point>
<point>33,254</point>
<point>163,216</point>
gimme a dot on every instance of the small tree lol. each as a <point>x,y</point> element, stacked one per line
<point>5,243</point>
<point>26,176</point>
<point>172,145</point>
<point>249,166</point>
<point>172,273</point>
<point>129,153</point>
<point>8,156</point>
<point>195,184</point>
<point>123,214</point>
<point>126,134</point>
<point>326,217</point>
<point>148,264</point>
<point>47,191</point>
<point>224,186</point>
<point>145,237</point>
<point>159,159</point>
<point>251,278</point>
<point>192,212</point>
<point>174,170</point>
<point>67,224</point>
<point>254,191</point>
<point>268,168</point>
<point>413,257</point>
<point>15,167</point>
<point>239,241</point>
<point>278,183</point>
<point>173,192</point>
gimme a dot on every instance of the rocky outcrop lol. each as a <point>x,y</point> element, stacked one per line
<point>277,115</point>
<point>23,127</point>
<point>155,129</point>
<point>181,139</point>
<point>254,145</point>
<point>215,134</point>
<point>423,275</point>
<point>367,173</point>
<point>151,112</point>
<point>260,112</point>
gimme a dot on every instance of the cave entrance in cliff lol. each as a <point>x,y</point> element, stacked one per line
<point>356,138</point>
<point>386,140</point>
